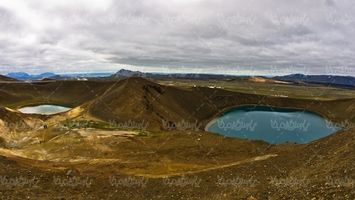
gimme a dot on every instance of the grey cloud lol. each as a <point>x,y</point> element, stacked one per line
<point>330,2</point>
<point>309,36</point>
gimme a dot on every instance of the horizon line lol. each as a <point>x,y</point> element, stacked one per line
<point>155,72</point>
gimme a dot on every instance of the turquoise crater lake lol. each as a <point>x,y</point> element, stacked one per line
<point>273,125</point>
<point>44,109</point>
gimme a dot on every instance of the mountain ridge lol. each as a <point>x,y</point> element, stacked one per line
<point>6,78</point>
<point>26,76</point>
<point>336,80</point>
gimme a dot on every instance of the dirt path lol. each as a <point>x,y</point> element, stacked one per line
<point>249,160</point>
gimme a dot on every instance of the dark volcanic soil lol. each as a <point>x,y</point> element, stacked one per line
<point>163,161</point>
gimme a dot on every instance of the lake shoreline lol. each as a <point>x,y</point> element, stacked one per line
<point>44,109</point>
<point>281,124</point>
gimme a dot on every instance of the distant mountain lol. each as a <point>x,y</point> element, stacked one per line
<point>124,73</point>
<point>345,81</point>
<point>5,78</point>
<point>53,76</point>
<point>128,73</point>
<point>25,76</point>
<point>19,75</point>
<point>87,75</point>
<point>46,75</point>
<point>81,76</point>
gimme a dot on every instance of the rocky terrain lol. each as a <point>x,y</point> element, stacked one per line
<point>132,138</point>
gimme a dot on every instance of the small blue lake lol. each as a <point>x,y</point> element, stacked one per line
<point>44,109</point>
<point>273,125</point>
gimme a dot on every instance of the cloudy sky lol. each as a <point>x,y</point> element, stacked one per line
<point>216,36</point>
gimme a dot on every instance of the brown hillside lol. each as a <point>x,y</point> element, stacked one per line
<point>331,155</point>
<point>140,99</point>
<point>10,120</point>
<point>71,93</point>
<point>143,100</point>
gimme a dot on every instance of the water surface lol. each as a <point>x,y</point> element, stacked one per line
<point>44,109</point>
<point>273,125</point>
